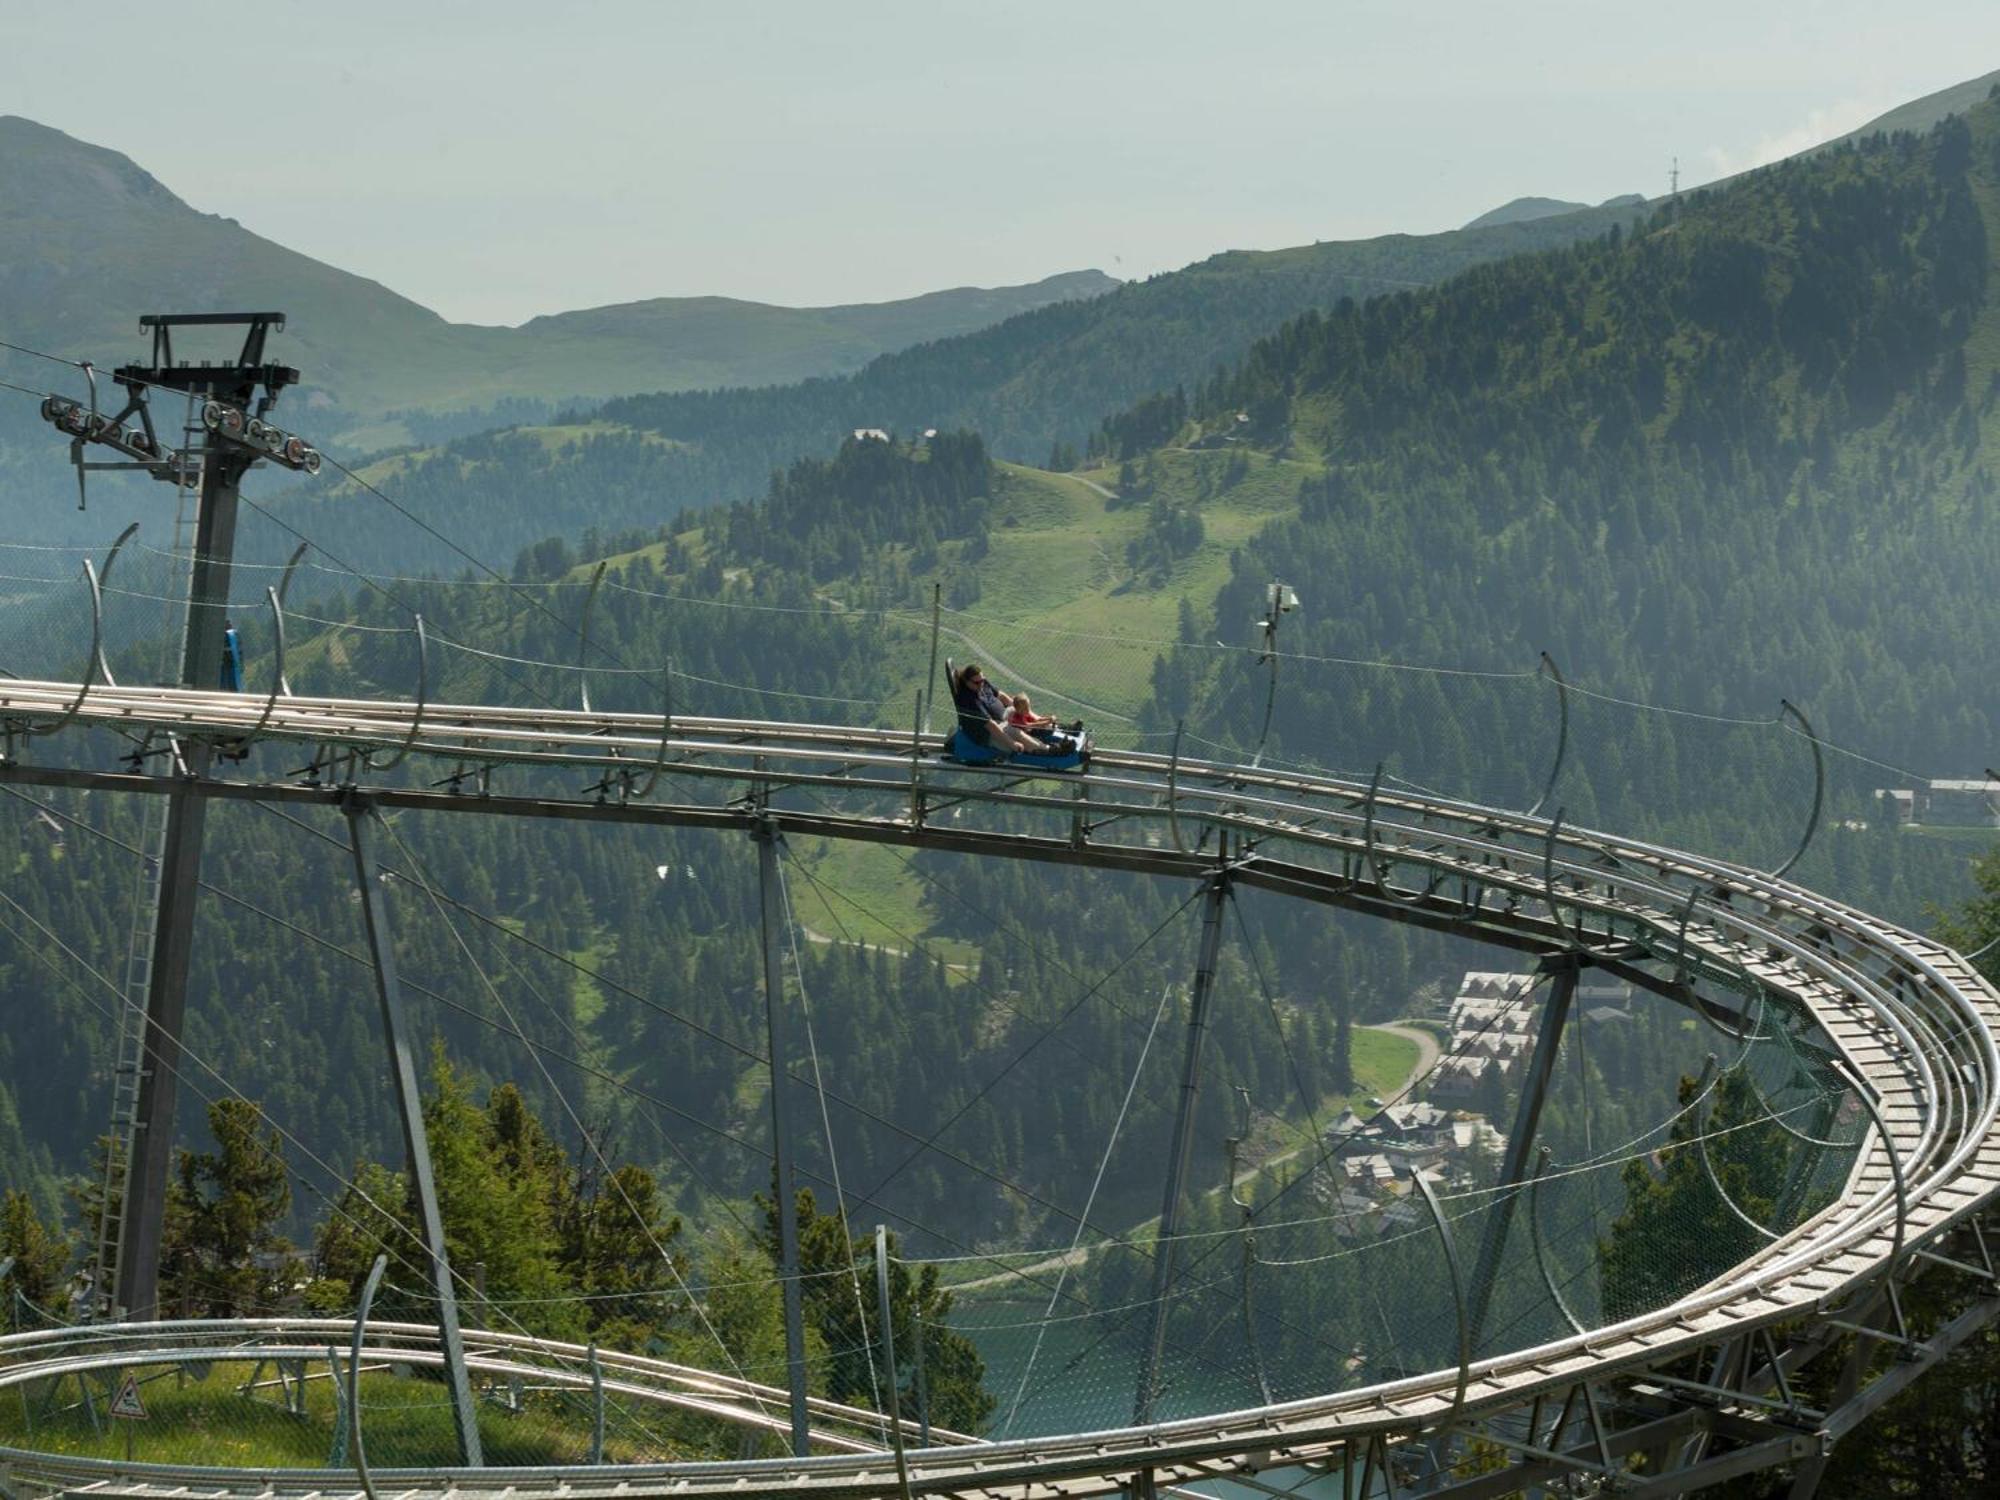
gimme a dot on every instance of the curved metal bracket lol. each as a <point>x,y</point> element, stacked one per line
<point>1549,869</point>
<point>104,665</point>
<point>583,637</point>
<point>91,661</point>
<point>1548,666</point>
<point>1753,1030</point>
<point>277,666</point>
<point>1572,930</point>
<point>1681,966</point>
<point>1272,614</point>
<point>666,729</point>
<point>1174,789</point>
<point>423,695</point>
<point>1575,938</point>
<point>1369,869</point>
<point>1895,1164</point>
<point>368,1289</point>
<point>278,602</point>
<point>1701,1111</point>
<point>1819,786</point>
<point>1772,1116</point>
<point>1541,1250</point>
<point>1457,1292</point>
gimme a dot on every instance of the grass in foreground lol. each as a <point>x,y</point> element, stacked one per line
<point>406,1422</point>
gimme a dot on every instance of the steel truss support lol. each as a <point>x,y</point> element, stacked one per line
<point>361,818</point>
<point>1741,1415</point>
<point>1548,668</point>
<point>142,1212</point>
<point>1521,1140</point>
<point>1213,900</point>
<point>771,906</point>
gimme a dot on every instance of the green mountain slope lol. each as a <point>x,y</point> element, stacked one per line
<point>1039,378</point>
<point>91,240</point>
<point>1029,385</point>
<point>1922,114</point>
<point>1046,377</point>
<point>1745,453</point>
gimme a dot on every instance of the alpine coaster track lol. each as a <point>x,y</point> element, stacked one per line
<point>1907,1021</point>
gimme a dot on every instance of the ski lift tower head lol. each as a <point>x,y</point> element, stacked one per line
<point>237,382</point>
<point>226,393</point>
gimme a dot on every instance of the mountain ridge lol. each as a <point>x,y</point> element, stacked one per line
<point>1521,210</point>
<point>367,350</point>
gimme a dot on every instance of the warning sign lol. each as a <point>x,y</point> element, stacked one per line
<point>126,1403</point>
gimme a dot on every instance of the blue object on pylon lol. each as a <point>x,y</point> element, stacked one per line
<point>232,660</point>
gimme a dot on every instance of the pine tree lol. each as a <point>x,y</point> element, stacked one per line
<point>1342,1062</point>
<point>39,1253</point>
<point>222,1253</point>
<point>849,1323</point>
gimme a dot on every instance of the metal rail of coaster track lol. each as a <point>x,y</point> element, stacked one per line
<point>1907,1023</point>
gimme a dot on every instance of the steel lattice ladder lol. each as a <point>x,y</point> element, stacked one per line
<point>129,1062</point>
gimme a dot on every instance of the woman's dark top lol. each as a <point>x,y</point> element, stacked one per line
<point>979,709</point>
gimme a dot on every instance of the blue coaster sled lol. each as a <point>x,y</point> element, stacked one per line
<point>962,748</point>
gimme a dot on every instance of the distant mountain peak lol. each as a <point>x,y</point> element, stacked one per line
<point>1522,210</point>
<point>41,167</point>
<point>1061,287</point>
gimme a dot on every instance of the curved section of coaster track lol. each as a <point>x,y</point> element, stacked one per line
<point>1660,1403</point>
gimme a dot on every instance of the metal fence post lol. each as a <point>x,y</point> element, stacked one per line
<point>1541,1250</point>
<point>596,1406</point>
<point>583,638</point>
<point>354,1376</point>
<point>923,1392</point>
<point>930,677</point>
<point>336,1456</point>
<point>885,1316</point>
<point>1457,1291</point>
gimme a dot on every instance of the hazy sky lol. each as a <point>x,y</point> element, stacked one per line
<point>502,159</point>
